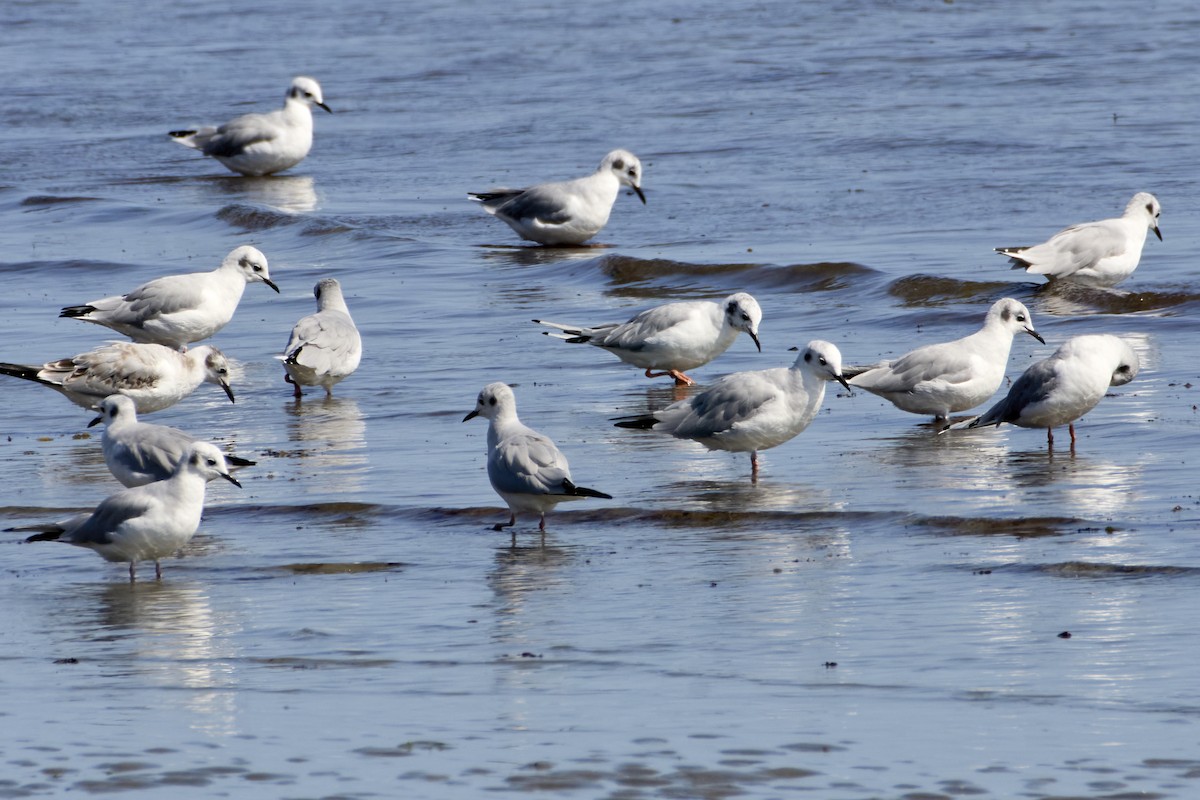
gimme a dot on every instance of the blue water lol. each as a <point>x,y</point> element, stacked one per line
<point>877,617</point>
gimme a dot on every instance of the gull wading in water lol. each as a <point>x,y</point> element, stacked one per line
<point>568,212</point>
<point>146,523</point>
<point>525,468</point>
<point>1062,388</point>
<point>138,453</point>
<point>324,347</point>
<point>1097,254</point>
<point>751,411</point>
<point>671,338</point>
<point>262,144</point>
<point>154,377</point>
<point>177,310</point>
<point>941,379</point>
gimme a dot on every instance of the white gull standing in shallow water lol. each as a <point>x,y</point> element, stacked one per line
<point>152,376</point>
<point>948,377</point>
<point>1062,388</point>
<point>752,411</point>
<point>262,144</point>
<point>146,523</point>
<point>324,347</point>
<point>1097,254</point>
<point>673,337</point>
<point>176,310</point>
<point>138,453</point>
<point>525,468</point>
<point>567,212</point>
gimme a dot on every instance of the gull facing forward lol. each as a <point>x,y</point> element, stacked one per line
<point>262,144</point>
<point>568,212</point>
<point>525,468</point>
<point>672,337</point>
<point>177,310</point>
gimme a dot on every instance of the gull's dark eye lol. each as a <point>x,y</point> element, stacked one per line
<point>745,316</point>
<point>212,462</point>
<point>1020,317</point>
<point>824,363</point>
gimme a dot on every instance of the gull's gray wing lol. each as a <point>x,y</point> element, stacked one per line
<point>528,463</point>
<point>235,136</point>
<point>322,340</point>
<point>634,334</point>
<point>1034,385</point>
<point>116,510</point>
<point>733,399</point>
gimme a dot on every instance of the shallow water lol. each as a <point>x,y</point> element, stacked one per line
<point>879,616</point>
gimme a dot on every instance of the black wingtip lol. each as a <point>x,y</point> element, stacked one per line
<point>238,461</point>
<point>76,311</point>
<point>637,423</point>
<point>180,134</point>
<point>48,536</point>
<point>583,491</point>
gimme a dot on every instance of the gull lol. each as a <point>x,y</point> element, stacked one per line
<point>1096,254</point>
<point>1062,388</point>
<point>752,411</point>
<point>324,347</point>
<point>138,453</point>
<point>262,144</point>
<point>568,212</point>
<point>146,523</point>
<point>177,310</point>
<point>672,337</point>
<point>525,468</point>
<point>941,379</point>
<point>154,377</point>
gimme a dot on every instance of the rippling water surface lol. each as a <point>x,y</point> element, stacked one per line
<point>882,615</point>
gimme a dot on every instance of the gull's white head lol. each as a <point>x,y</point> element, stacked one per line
<point>495,399</point>
<point>1146,204</point>
<point>1128,365</point>
<point>1013,316</point>
<point>742,313</point>
<point>1103,352</point>
<point>628,169</point>
<point>115,410</point>
<point>207,461</point>
<point>822,359</point>
<point>306,90</point>
<point>216,367</point>
<point>251,263</point>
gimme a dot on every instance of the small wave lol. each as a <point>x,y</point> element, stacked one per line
<point>39,200</point>
<point>251,218</point>
<point>1071,299</point>
<point>933,290</point>
<point>817,277</point>
<point>1088,569</point>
